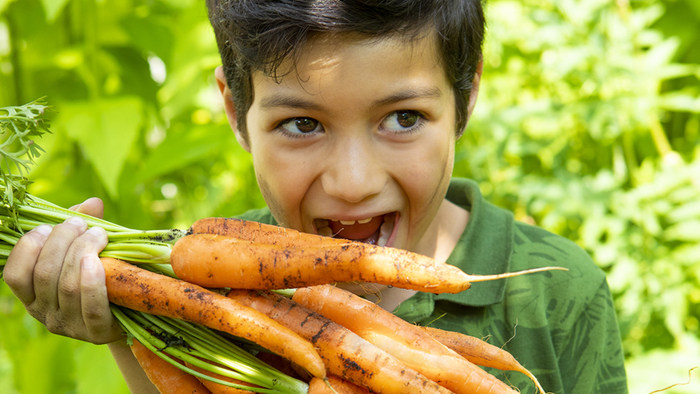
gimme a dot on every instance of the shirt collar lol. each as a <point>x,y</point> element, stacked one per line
<point>485,247</point>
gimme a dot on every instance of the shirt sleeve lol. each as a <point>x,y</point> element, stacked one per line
<point>592,360</point>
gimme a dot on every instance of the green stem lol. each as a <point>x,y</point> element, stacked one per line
<point>156,345</point>
<point>227,353</point>
<point>196,350</point>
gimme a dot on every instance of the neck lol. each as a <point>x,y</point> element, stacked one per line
<point>444,232</point>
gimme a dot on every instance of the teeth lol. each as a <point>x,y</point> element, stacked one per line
<point>385,230</point>
<point>351,222</point>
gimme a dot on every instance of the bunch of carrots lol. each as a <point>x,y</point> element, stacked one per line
<point>272,323</point>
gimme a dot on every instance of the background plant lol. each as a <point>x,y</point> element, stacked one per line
<point>587,124</point>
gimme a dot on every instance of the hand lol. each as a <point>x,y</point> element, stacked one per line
<point>56,274</point>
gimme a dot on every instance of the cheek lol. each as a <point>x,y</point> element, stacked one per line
<point>283,180</point>
<point>426,177</point>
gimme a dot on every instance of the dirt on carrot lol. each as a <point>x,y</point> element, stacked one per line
<point>218,261</point>
<point>345,354</point>
<point>145,291</point>
<point>246,230</point>
<point>407,342</point>
<point>481,352</point>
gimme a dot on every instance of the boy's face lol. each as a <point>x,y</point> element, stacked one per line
<point>357,141</point>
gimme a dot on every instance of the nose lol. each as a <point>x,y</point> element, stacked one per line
<point>354,172</point>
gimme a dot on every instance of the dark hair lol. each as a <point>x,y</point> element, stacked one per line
<point>259,35</point>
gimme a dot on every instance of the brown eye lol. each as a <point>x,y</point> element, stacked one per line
<point>306,125</point>
<point>406,118</point>
<point>300,126</point>
<point>403,122</point>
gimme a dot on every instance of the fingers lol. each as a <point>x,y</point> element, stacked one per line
<point>19,269</point>
<point>70,284</point>
<point>100,325</point>
<point>47,271</point>
<point>57,275</point>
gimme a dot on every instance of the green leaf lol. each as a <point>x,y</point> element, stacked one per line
<point>106,131</point>
<point>685,211</point>
<point>688,230</point>
<point>181,149</point>
<point>52,8</point>
<point>679,101</point>
<point>4,4</point>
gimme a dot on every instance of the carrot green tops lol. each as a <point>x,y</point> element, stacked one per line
<point>560,325</point>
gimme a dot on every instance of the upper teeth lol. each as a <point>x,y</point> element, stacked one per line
<point>351,222</point>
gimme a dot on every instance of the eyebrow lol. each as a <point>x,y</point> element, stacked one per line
<point>277,101</point>
<point>408,94</point>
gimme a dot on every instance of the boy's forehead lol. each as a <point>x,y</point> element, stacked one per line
<point>328,52</point>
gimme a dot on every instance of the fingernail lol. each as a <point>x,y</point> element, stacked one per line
<point>75,220</point>
<point>44,230</point>
<point>97,231</point>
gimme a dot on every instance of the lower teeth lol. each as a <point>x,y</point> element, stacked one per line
<point>385,230</point>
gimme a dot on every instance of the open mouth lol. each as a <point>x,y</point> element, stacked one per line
<point>375,230</point>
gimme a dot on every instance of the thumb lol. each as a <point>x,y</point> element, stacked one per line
<point>92,206</point>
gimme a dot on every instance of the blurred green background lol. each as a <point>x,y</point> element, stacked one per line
<point>587,124</point>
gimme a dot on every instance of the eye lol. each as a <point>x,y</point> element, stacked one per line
<point>300,126</point>
<point>402,121</point>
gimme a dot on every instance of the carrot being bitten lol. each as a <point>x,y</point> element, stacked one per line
<point>288,259</point>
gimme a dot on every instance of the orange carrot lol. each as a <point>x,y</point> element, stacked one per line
<point>405,341</point>
<point>218,388</point>
<point>145,291</point>
<point>261,233</point>
<point>167,378</point>
<point>480,352</point>
<point>345,354</point>
<point>212,260</point>
<point>334,385</point>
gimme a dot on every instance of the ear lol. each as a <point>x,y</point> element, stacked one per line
<point>475,87</point>
<point>230,107</point>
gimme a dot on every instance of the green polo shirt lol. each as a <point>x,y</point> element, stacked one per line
<point>560,325</point>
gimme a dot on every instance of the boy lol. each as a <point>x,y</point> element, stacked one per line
<point>351,111</point>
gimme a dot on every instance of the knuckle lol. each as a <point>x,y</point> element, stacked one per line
<point>25,250</point>
<point>87,243</point>
<point>29,242</point>
<point>96,235</point>
<point>67,229</point>
<point>56,325</point>
<point>44,274</point>
<point>13,280</point>
<point>68,287</point>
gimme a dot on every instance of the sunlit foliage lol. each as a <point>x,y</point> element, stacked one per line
<point>587,124</point>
